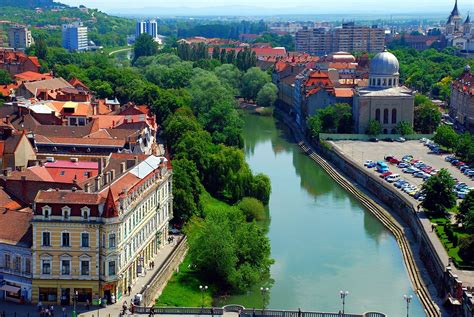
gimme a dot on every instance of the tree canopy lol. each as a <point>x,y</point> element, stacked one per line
<point>439,193</point>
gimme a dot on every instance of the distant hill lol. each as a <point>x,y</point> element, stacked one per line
<point>30,4</point>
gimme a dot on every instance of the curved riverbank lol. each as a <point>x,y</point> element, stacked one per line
<point>381,214</point>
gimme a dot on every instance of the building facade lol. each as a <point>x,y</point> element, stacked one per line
<point>149,27</point>
<point>458,33</point>
<point>349,38</point>
<point>19,37</point>
<point>74,37</point>
<point>96,242</point>
<point>461,107</point>
<point>384,100</point>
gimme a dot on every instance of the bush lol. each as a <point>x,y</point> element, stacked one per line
<point>466,249</point>
<point>252,208</point>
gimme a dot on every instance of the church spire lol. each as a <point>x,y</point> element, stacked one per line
<point>468,19</point>
<point>455,11</point>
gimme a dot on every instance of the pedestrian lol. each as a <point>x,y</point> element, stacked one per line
<point>64,312</point>
<point>51,310</point>
<point>152,311</point>
<point>124,308</point>
<point>129,289</point>
<point>299,312</point>
<point>41,312</point>
<point>40,306</point>
<point>113,299</point>
<point>432,227</point>
<point>253,313</point>
<point>46,312</point>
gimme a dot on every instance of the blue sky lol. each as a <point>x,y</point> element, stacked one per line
<point>307,6</point>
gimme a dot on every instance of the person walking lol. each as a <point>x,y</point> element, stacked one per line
<point>51,310</point>
<point>129,288</point>
<point>88,304</point>
<point>152,312</point>
<point>64,312</point>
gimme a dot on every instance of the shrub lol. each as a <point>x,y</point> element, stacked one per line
<point>466,249</point>
<point>252,208</point>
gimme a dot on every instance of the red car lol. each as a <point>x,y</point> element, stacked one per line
<point>459,164</point>
<point>385,174</point>
<point>394,160</point>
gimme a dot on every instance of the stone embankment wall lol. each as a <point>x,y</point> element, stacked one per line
<point>158,282</point>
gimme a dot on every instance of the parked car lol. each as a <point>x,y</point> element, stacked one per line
<point>407,158</point>
<point>410,170</point>
<point>368,162</point>
<point>400,139</point>
<point>394,161</point>
<point>449,158</point>
<point>419,174</point>
<point>400,183</point>
<point>403,165</point>
<point>388,140</point>
<point>373,140</point>
<point>459,164</point>
<point>383,175</point>
<point>423,140</point>
<point>392,178</point>
<point>388,157</point>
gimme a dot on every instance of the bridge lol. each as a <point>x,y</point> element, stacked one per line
<point>241,311</point>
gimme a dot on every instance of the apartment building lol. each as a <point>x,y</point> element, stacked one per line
<point>19,37</point>
<point>74,37</point>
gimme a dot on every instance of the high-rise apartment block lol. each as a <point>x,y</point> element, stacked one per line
<point>349,38</point>
<point>149,27</point>
<point>19,37</point>
<point>74,37</point>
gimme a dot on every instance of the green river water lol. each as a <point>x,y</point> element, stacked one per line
<point>322,239</point>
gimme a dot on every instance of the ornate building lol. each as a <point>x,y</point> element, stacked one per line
<point>462,99</point>
<point>96,241</point>
<point>459,34</point>
<point>384,99</point>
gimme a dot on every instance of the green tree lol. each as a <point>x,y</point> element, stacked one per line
<point>465,147</point>
<point>465,249</point>
<point>439,192</point>
<point>5,78</point>
<point>404,128</point>
<point>186,190</point>
<point>314,126</point>
<point>267,96</point>
<point>168,101</point>
<point>102,89</point>
<point>178,124</point>
<point>252,81</point>
<point>145,45</point>
<point>427,116</point>
<point>41,49</point>
<point>230,76</point>
<point>374,128</point>
<point>261,188</point>
<point>446,136</point>
<point>252,208</point>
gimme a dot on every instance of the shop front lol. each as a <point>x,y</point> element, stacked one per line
<point>15,289</point>
<point>64,292</point>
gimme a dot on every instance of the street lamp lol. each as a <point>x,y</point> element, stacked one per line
<point>76,294</point>
<point>408,300</point>
<point>343,297</point>
<point>264,291</point>
<point>203,289</point>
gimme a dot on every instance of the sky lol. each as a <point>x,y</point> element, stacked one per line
<point>305,6</point>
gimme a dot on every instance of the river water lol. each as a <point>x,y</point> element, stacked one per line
<point>322,239</point>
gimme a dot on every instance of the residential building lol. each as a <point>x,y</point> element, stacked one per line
<point>349,38</point>
<point>15,149</point>
<point>16,62</point>
<point>98,241</point>
<point>461,107</point>
<point>74,37</point>
<point>19,37</point>
<point>384,100</point>
<point>15,250</point>
<point>149,27</point>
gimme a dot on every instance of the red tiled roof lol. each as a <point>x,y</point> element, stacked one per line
<point>80,141</point>
<point>343,92</point>
<point>35,61</point>
<point>16,227</point>
<point>70,164</point>
<point>32,76</point>
<point>67,197</point>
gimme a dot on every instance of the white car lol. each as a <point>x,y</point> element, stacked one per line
<point>368,162</point>
<point>393,178</point>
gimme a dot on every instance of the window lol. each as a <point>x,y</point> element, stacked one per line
<point>85,240</point>
<point>65,267</point>
<point>17,264</point>
<point>385,116</point>
<point>85,213</point>
<point>112,240</point>
<point>46,210</point>
<point>111,268</point>
<point>66,212</point>
<point>46,266</point>
<point>390,82</point>
<point>62,173</point>
<point>46,239</point>
<point>377,115</point>
<point>394,115</point>
<point>65,239</point>
<point>84,267</point>
<point>7,261</point>
<point>28,266</point>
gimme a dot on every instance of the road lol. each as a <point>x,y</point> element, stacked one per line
<point>120,50</point>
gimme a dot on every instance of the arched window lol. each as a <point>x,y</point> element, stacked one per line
<point>377,115</point>
<point>385,116</point>
<point>390,81</point>
<point>394,115</point>
<point>85,212</point>
<point>46,210</point>
<point>66,212</point>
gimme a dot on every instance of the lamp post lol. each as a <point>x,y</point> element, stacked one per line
<point>264,291</point>
<point>343,298</point>
<point>408,300</point>
<point>203,289</point>
<point>76,294</point>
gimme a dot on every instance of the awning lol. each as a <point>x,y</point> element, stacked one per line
<point>9,288</point>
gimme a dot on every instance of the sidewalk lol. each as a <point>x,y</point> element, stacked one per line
<point>26,310</point>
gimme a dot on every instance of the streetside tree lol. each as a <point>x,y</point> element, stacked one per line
<point>374,128</point>
<point>145,45</point>
<point>439,193</point>
<point>404,128</point>
<point>252,81</point>
<point>446,136</point>
<point>267,96</point>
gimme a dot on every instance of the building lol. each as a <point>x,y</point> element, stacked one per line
<point>19,37</point>
<point>15,148</point>
<point>149,27</point>
<point>462,99</point>
<point>15,62</point>
<point>15,250</point>
<point>74,37</point>
<point>459,34</point>
<point>349,38</point>
<point>384,100</point>
<point>97,241</point>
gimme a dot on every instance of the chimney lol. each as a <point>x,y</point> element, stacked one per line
<point>100,166</point>
<point>97,182</point>
<point>87,188</point>
<point>112,175</point>
<point>123,167</point>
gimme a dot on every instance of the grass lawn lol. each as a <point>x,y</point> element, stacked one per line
<point>210,203</point>
<point>453,250</point>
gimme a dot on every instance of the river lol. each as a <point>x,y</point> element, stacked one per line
<point>322,239</point>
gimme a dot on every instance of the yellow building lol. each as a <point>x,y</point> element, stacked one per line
<point>94,243</point>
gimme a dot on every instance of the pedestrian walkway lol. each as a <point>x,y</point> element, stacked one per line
<point>28,310</point>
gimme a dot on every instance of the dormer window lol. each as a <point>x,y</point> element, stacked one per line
<point>46,210</point>
<point>85,212</point>
<point>66,213</point>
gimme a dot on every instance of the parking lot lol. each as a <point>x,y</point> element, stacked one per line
<point>360,151</point>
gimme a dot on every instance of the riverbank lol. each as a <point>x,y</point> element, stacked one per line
<point>383,215</point>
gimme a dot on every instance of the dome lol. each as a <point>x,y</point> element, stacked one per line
<point>384,64</point>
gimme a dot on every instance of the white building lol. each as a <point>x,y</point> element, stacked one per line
<point>74,37</point>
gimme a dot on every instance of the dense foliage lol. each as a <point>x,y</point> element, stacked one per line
<point>336,118</point>
<point>230,30</point>
<point>462,144</point>
<point>439,193</point>
<point>5,77</point>
<point>275,40</point>
<point>427,116</point>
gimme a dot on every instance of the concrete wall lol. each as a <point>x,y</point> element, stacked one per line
<point>365,137</point>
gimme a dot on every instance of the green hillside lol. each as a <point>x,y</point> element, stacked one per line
<point>31,4</point>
